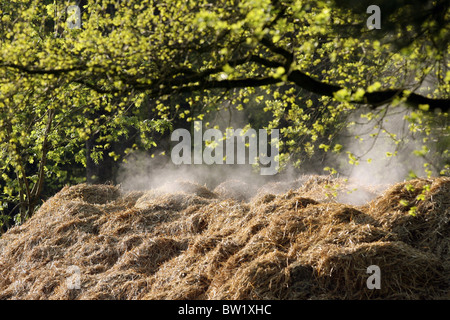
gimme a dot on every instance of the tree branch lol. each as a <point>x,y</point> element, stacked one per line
<point>37,188</point>
<point>222,84</point>
<point>304,81</point>
<point>41,71</point>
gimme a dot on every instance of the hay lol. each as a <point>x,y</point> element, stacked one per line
<point>235,189</point>
<point>182,241</point>
<point>429,229</point>
<point>98,194</point>
<point>405,271</point>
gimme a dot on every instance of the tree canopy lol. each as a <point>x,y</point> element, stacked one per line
<point>149,65</point>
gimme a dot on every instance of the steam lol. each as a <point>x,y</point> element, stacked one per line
<point>142,172</point>
<point>384,148</point>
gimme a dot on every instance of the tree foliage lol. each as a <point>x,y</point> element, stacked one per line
<point>308,65</point>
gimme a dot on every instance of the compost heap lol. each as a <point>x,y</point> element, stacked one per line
<point>284,241</point>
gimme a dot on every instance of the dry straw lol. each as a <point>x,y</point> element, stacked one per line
<point>283,241</point>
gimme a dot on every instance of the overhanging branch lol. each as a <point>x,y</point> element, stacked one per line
<point>195,81</point>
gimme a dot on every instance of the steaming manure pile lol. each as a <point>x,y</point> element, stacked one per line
<point>98,242</point>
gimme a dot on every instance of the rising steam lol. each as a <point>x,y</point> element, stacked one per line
<point>384,149</point>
